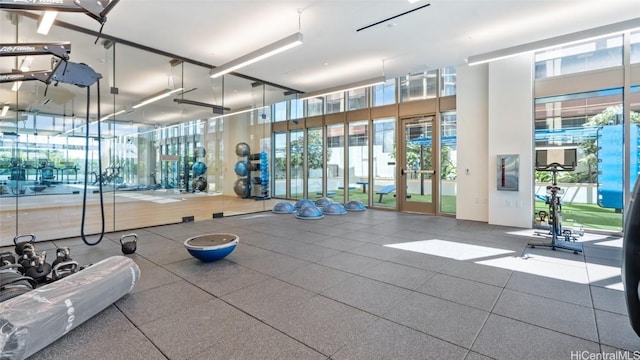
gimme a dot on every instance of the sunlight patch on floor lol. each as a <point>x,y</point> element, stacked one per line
<point>450,249</point>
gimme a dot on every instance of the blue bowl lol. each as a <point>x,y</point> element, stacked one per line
<point>354,205</point>
<point>334,209</point>
<point>284,208</point>
<point>211,247</point>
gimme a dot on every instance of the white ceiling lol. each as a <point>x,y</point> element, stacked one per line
<point>333,53</point>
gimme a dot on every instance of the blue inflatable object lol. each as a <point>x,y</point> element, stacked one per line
<point>310,212</point>
<point>199,168</point>
<point>241,168</point>
<point>304,202</point>
<point>283,208</point>
<point>211,247</point>
<point>354,205</point>
<point>334,208</point>
<point>322,202</point>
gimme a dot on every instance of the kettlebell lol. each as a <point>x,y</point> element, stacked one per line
<point>39,269</point>
<point>129,246</point>
<point>7,258</point>
<point>22,243</point>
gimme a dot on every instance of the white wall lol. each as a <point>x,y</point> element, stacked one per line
<point>472,116</point>
<point>511,132</point>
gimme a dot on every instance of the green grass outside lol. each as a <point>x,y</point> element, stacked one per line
<point>589,216</point>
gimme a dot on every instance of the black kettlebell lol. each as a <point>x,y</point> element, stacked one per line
<point>39,268</point>
<point>7,258</point>
<point>22,243</point>
<point>62,255</point>
<point>130,245</point>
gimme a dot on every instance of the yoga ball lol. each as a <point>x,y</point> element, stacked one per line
<point>242,149</point>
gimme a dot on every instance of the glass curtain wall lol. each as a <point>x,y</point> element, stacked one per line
<point>592,121</point>
<point>384,159</point>
<point>154,162</point>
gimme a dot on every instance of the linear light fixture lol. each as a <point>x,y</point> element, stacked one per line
<point>554,41</point>
<point>157,96</point>
<point>5,110</point>
<point>217,109</point>
<point>260,54</point>
<point>112,115</point>
<point>239,112</point>
<point>46,21</point>
<point>346,87</point>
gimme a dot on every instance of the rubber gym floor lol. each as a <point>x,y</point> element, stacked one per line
<point>365,285</point>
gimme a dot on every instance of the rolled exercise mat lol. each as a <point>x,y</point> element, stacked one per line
<point>32,321</point>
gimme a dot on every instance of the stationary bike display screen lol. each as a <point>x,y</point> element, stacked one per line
<point>565,158</point>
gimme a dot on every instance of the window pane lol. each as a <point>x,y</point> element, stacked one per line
<point>418,86</point>
<point>384,94</point>
<point>280,165</point>
<point>384,161</point>
<point>335,160</point>
<point>358,99</point>
<point>589,55</point>
<point>315,160</point>
<point>635,47</point>
<point>448,81</point>
<point>335,103</point>
<point>314,106</point>
<point>448,157</point>
<point>296,158</point>
<point>359,161</point>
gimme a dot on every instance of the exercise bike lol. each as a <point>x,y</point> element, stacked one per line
<point>560,238</point>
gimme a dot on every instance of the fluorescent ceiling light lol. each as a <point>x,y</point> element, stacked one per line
<point>155,97</point>
<point>112,115</point>
<point>260,54</point>
<point>46,20</point>
<point>566,39</point>
<point>413,1</point>
<point>346,87</point>
<point>5,110</point>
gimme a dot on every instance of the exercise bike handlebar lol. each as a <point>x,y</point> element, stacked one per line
<point>554,166</point>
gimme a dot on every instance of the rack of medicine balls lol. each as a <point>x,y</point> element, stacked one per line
<point>27,269</point>
<point>199,170</point>
<point>245,169</point>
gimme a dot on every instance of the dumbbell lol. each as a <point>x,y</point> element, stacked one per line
<point>7,258</point>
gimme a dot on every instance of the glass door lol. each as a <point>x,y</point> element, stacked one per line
<point>417,176</point>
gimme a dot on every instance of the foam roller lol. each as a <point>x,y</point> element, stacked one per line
<point>32,321</point>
